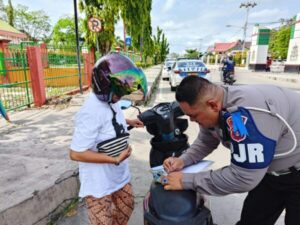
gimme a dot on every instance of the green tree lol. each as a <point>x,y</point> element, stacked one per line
<point>201,54</point>
<point>174,55</point>
<point>36,24</point>
<point>2,11</point>
<point>63,33</point>
<point>118,43</point>
<point>136,18</point>
<point>146,42</point>
<point>164,48</point>
<point>10,13</point>
<point>237,58</point>
<point>191,53</point>
<point>105,11</point>
<point>161,46</point>
<point>279,42</point>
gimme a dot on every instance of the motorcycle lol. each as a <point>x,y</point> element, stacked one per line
<point>229,76</point>
<point>163,207</point>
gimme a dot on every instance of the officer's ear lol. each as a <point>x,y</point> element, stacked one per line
<point>213,104</point>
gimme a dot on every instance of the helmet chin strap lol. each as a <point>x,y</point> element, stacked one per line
<point>110,97</point>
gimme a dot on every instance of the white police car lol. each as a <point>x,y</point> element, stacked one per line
<point>167,69</point>
<point>187,67</point>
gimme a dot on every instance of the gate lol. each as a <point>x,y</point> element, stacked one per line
<point>15,84</point>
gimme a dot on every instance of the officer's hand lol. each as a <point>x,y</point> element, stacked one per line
<point>173,181</point>
<point>173,164</point>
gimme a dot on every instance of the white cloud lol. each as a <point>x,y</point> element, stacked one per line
<point>170,25</point>
<point>53,8</point>
<point>185,21</point>
<point>168,5</point>
<point>269,13</point>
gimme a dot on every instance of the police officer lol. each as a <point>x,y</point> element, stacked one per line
<point>228,69</point>
<point>261,126</point>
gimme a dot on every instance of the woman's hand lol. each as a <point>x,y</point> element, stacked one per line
<point>173,164</point>
<point>124,155</point>
<point>134,123</point>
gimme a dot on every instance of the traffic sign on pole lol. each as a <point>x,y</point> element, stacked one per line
<point>128,41</point>
<point>94,24</point>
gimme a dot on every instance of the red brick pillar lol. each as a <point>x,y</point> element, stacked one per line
<point>7,63</point>
<point>92,53</point>
<point>4,48</point>
<point>44,55</point>
<point>86,63</point>
<point>89,61</point>
<point>37,75</point>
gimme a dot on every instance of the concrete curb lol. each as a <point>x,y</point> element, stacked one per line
<point>153,87</point>
<point>45,204</point>
<point>283,77</point>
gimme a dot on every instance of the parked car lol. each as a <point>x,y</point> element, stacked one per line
<point>167,68</point>
<point>187,67</point>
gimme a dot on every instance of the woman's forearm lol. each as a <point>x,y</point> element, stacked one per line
<point>92,157</point>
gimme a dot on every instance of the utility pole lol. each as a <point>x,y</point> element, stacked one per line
<point>247,6</point>
<point>77,45</point>
<point>200,44</point>
<point>124,34</point>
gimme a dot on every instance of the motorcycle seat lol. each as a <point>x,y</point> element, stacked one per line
<point>172,205</point>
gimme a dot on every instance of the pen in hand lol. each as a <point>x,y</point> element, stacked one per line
<point>171,162</point>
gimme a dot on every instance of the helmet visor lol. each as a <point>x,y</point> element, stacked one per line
<point>127,81</point>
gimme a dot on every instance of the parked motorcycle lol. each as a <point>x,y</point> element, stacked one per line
<point>163,207</point>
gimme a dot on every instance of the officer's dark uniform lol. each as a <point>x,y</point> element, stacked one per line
<point>264,162</point>
<point>228,68</point>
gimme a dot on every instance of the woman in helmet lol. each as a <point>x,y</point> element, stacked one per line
<point>99,141</point>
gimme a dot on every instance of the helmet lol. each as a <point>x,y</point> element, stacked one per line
<point>117,74</point>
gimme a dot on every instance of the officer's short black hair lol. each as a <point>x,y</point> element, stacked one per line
<point>191,88</point>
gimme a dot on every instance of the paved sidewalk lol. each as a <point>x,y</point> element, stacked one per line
<point>285,77</point>
<point>37,177</point>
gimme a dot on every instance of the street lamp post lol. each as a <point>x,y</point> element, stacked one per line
<point>77,45</point>
<point>200,44</point>
<point>247,6</point>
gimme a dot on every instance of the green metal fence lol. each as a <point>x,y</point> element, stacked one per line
<point>133,56</point>
<point>60,73</point>
<point>61,70</point>
<point>15,85</point>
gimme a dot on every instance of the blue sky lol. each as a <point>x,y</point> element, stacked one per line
<point>191,23</point>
